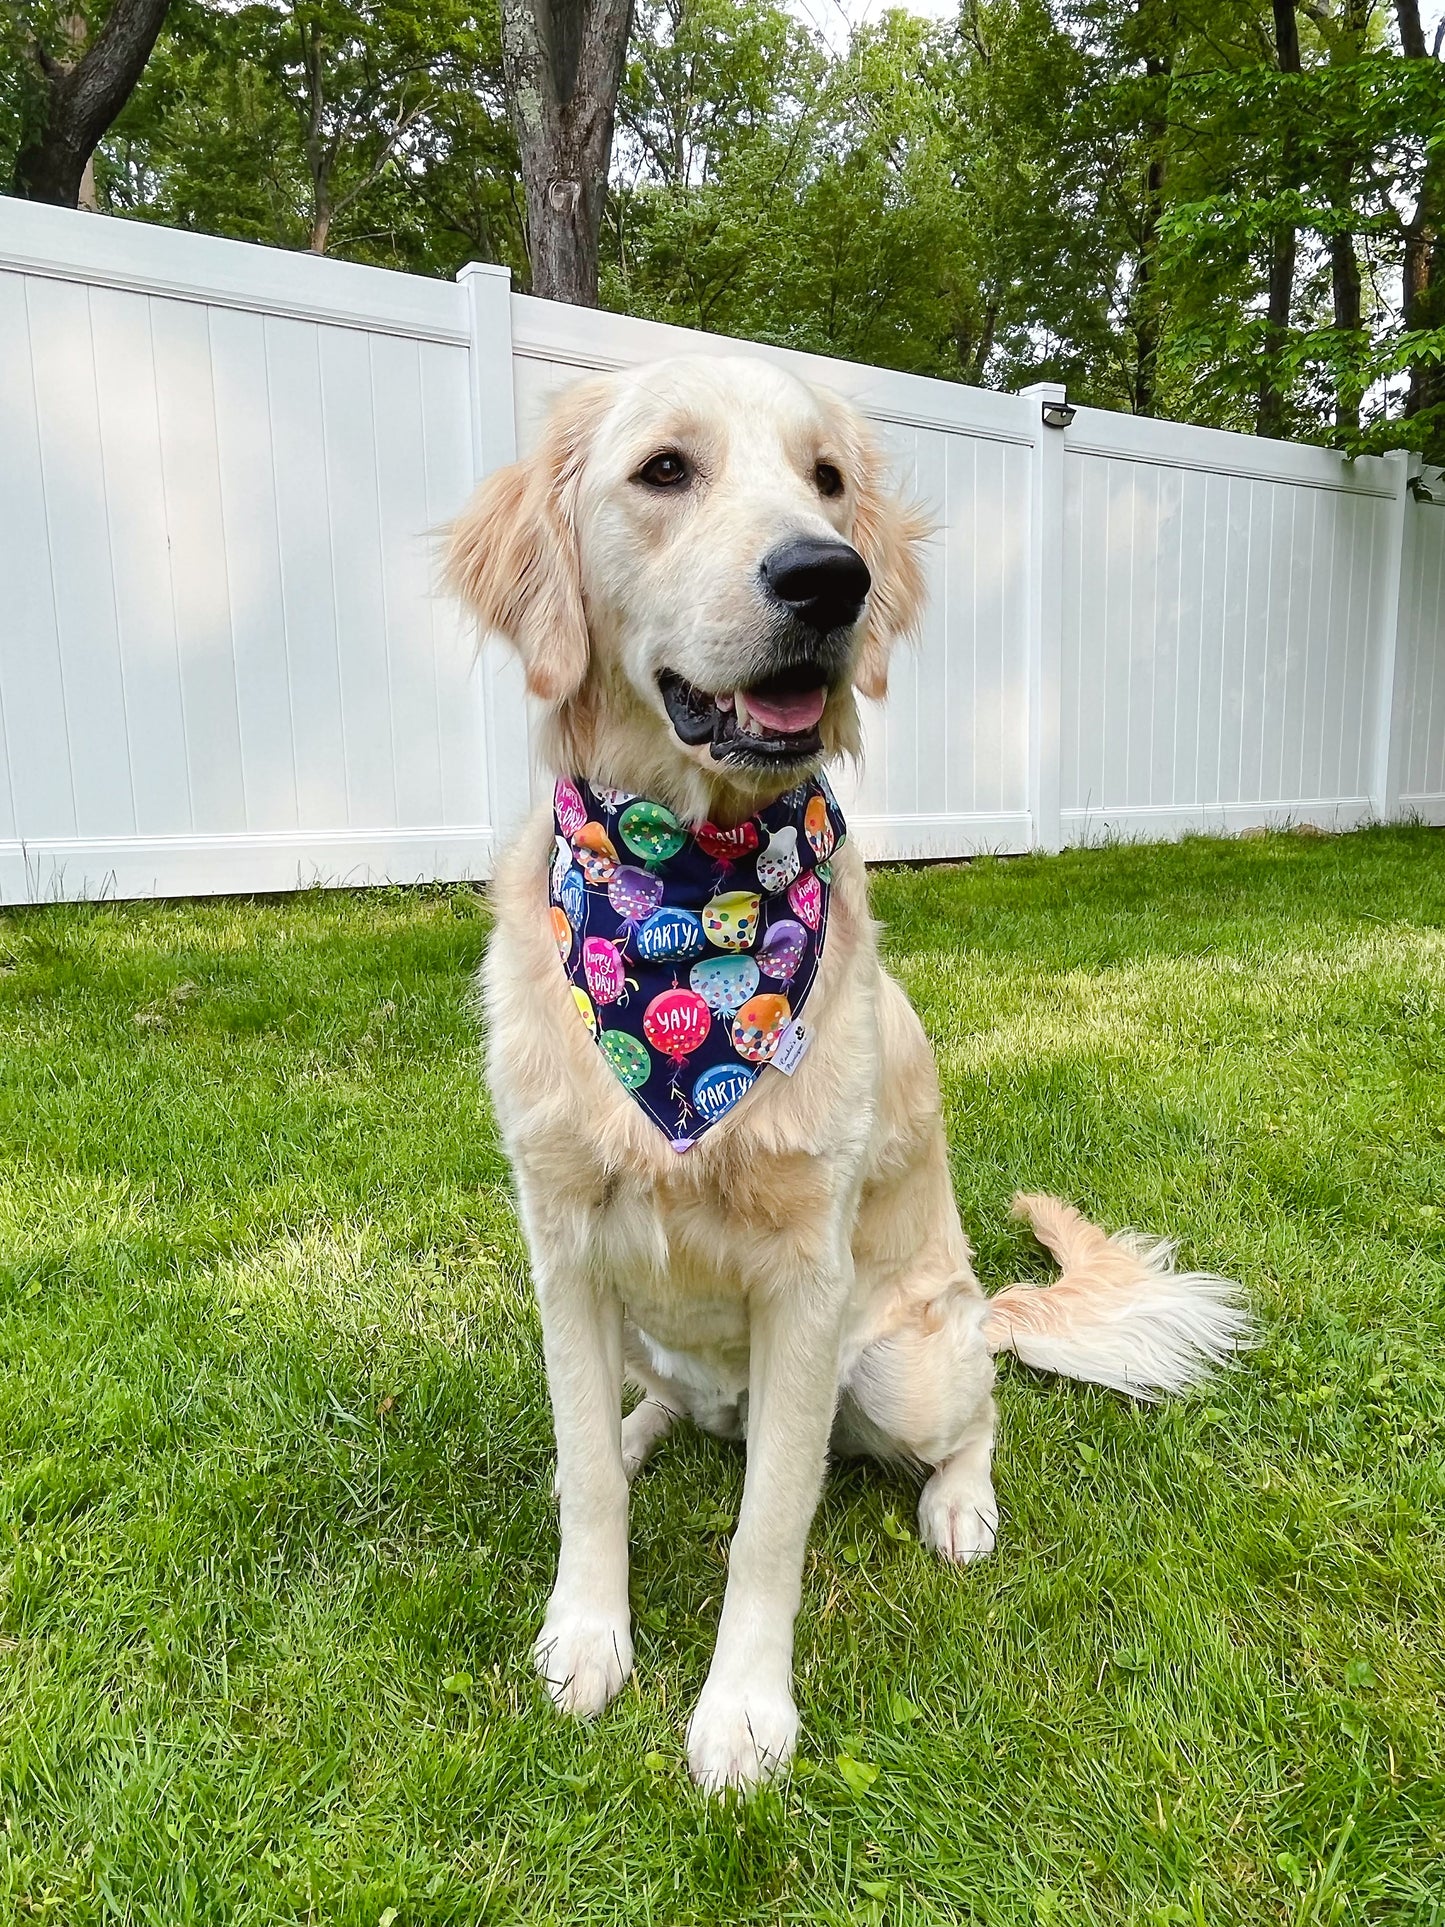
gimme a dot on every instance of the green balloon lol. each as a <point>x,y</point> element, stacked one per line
<point>627,1057</point>
<point>651,832</point>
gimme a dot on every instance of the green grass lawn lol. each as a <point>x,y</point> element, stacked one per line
<point>275,1453</point>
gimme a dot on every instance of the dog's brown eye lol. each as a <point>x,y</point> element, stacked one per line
<point>828,478</point>
<point>667,470</point>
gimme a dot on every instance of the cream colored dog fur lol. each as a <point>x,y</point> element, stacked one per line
<point>696,1278</point>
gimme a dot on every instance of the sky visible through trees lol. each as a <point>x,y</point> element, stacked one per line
<point>1226,211</point>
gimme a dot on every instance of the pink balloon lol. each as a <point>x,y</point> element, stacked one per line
<point>571,810</point>
<point>604,968</point>
<point>806,898</point>
<point>676,1022</point>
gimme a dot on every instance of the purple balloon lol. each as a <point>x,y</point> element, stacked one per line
<point>781,950</point>
<point>633,893</point>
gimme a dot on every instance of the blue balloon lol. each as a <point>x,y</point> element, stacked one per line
<point>717,1090</point>
<point>724,983</point>
<point>572,896</point>
<point>669,936</point>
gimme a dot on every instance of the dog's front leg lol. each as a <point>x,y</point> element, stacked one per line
<point>584,1650</point>
<point>745,1724</point>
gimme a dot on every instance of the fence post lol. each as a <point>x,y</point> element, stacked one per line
<point>1387,733</point>
<point>1045,612</point>
<point>505,721</point>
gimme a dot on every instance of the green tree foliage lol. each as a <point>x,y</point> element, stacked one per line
<point>1228,211</point>
<point>377,131</point>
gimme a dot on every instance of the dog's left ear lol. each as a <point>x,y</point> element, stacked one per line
<point>889,533</point>
<point>512,552</point>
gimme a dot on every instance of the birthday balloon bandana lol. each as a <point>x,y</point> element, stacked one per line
<point>691,952</point>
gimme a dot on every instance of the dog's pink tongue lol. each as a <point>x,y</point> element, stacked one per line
<point>787,714</point>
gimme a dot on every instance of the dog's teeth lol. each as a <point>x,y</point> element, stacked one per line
<point>725,701</point>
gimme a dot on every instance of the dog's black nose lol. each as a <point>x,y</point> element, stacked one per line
<point>823,582</point>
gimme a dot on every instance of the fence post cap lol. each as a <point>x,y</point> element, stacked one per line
<point>493,268</point>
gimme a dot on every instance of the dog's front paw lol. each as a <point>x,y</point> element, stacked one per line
<point>958,1516</point>
<point>584,1659</point>
<point>740,1737</point>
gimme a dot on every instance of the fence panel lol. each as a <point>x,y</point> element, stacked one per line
<point>1222,612</point>
<point>1420,682</point>
<point>223,666</point>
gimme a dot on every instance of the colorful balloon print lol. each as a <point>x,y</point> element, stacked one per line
<point>651,832</point>
<point>669,936</point>
<point>632,893</point>
<point>561,862</point>
<point>728,845</point>
<point>614,800</point>
<point>758,1026</point>
<point>717,1090</point>
<point>605,970</point>
<point>779,863</point>
<point>573,897</point>
<point>571,810</point>
<point>805,899</point>
<point>676,1022</point>
<point>819,828</point>
<point>628,1057</point>
<point>724,983</point>
<point>584,1004</point>
<point>689,983</point>
<point>731,920</point>
<point>781,950</point>
<point>595,852</point>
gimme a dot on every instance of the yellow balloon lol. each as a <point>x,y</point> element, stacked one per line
<point>584,1004</point>
<point>731,921</point>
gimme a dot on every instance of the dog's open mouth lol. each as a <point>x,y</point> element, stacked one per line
<point>773,721</point>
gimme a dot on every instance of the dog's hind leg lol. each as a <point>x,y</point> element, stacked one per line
<point>645,1426</point>
<point>925,1394</point>
<point>957,1512</point>
<point>656,1412</point>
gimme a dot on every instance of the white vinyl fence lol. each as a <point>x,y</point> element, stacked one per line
<point>224,663</point>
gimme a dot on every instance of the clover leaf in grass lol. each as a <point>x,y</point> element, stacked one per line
<point>856,1775</point>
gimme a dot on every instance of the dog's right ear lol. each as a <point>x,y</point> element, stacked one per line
<point>512,552</point>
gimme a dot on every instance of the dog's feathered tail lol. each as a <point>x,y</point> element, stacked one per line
<point>1119,1314</point>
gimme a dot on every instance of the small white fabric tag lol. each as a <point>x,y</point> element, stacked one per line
<point>792,1047</point>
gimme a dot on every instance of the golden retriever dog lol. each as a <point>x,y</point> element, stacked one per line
<point>702,565</point>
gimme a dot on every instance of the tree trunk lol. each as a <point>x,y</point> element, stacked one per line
<point>82,98</point>
<point>1422,278</point>
<point>1144,298</point>
<point>563,61</point>
<point>1283,243</point>
<point>1345,285</point>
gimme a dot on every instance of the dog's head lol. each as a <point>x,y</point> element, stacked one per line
<point>699,565</point>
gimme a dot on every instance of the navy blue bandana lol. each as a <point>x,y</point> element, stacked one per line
<point>691,952</point>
